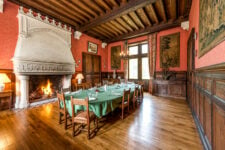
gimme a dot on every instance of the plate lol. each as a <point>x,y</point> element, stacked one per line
<point>92,98</point>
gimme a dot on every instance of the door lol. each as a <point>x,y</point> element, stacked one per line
<point>91,68</point>
<point>190,67</point>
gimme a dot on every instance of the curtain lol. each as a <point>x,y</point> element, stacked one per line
<point>152,44</point>
<point>125,61</point>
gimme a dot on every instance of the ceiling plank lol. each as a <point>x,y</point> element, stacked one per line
<point>75,8</point>
<point>83,6</point>
<point>96,35</point>
<point>171,9</point>
<point>103,31</point>
<point>136,19</point>
<point>123,23</point>
<point>147,30</point>
<point>151,13</point>
<point>94,6</point>
<point>44,11</point>
<point>160,10</point>
<point>108,29</point>
<point>115,13</point>
<point>60,6</point>
<point>116,24</point>
<point>114,3</point>
<point>103,4</point>
<point>113,27</point>
<point>143,17</point>
<point>130,22</point>
<point>100,32</point>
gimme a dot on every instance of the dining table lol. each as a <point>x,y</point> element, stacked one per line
<point>102,100</point>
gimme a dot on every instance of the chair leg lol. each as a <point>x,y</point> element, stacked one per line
<point>59,118</point>
<point>73,124</point>
<point>65,117</point>
<point>88,131</point>
<point>122,113</point>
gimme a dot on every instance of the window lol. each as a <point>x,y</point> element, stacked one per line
<point>138,62</point>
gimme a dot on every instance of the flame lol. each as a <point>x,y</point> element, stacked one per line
<point>47,89</point>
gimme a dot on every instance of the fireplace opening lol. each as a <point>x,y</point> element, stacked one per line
<point>42,87</point>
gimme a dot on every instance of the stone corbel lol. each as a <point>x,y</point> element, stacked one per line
<point>1,5</point>
<point>185,25</point>
<point>77,35</point>
<point>104,45</point>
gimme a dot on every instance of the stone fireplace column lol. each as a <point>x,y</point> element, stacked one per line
<point>23,101</point>
<point>67,81</point>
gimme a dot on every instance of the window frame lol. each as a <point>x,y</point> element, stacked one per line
<point>139,56</point>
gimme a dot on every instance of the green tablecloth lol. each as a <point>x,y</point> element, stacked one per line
<point>106,101</point>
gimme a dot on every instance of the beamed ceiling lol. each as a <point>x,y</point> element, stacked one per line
<point>113,20</point>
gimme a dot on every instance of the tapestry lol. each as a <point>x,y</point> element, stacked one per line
<point>115,57</point>
<point>170,50</point>
<point>211,24</point>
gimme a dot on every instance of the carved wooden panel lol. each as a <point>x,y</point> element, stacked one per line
<point>220,89</point>
<point>218,128</point>
<point>208,85</point>
<point>96,64</point>
<point>197,103</point>
<point>201,108</point>
<point>208,118</point>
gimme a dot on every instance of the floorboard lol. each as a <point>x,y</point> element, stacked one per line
<point>158,123</point>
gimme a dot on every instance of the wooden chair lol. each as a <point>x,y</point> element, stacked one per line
<point>110,82</point>
<point>98,84</point>
<point>88,85</point>
<point>125,102</point>
<point>83,117</point>
<point>135,96</point>
<point>63,113</point>
<point>141,93</point>
<point>64,90</point>
<point>104,82</point>
<point>79,86</point>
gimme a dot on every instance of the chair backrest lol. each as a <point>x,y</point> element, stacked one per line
<point>63,90</point>
<point>61,99</point>
<point>136,89</point>
<point>126,96</point>
<point>110,83</point>
<point>98,84</point>
<point>88,85</point>
<point>80,102</point>
<point>104,82</point>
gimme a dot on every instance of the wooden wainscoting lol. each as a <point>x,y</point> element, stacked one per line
<point>208,105</point>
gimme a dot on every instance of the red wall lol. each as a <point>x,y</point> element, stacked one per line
<point>79,46</point>
<point>183,48</point>
<point>214,56</point>
<point>8,34</point>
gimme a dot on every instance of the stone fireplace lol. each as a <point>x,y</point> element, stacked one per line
<point>42,55</point>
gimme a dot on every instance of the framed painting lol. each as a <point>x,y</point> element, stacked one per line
<point>211,24</point>
<point>115,57</point>
<point>170,50</point>
<point>92,47</point>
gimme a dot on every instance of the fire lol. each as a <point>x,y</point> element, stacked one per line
<point>47,89</point>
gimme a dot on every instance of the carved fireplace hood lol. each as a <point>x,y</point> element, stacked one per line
<point>43,47</point>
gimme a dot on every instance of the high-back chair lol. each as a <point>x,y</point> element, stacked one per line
<point>125,102</point>
<point>104,82</point>
<point>88,85</point>
<point>83,117</point>
<point>65,90</point>
<point>141,93</point>
<point>135,96</point>
<point>110,82</point>
<point>63,113</point>
<point>98,84</point>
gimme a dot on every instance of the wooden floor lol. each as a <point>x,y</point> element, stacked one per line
<point>159,123</point>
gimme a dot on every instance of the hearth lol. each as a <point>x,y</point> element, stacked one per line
<point>42,87</point>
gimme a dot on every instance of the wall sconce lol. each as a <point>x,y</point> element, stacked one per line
<point>1,5</point>
<point>124,55</point>
<point>77,64</point>
<point>3,79</point>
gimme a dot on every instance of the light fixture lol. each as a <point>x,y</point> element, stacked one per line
<point>124,55</point>
<point>79,78</point>
<point>3,79</point>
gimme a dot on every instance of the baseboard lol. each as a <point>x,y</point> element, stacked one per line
<point>204,140</point>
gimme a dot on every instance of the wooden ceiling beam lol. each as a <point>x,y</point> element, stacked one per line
<point>117,12</point>
<point>151,13</point>
<point>103,32</point>
<point>148,30</point>
<point>58,6</point>
<point>116,24</point>
<point>113,27</point>
<point>141,13</point>
<point>96,35</point>
<point>123,23</point>
<point>171,9</point>
<point>108,29</point>
<point>136,19</point>
<point>114,3</point>
<point>75,9</point>
<point>103,4</point>
<point>130,22</point>
<point>83,6</point>
<point>46,12</point>
<point>160,9</point>
<point>94,6</point>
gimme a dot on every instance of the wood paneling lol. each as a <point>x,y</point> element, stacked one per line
<point>208,106</point>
